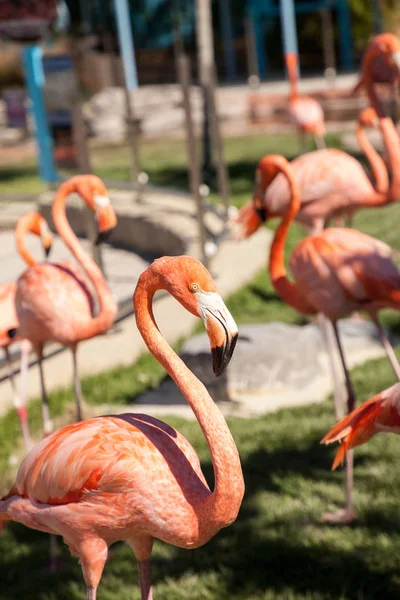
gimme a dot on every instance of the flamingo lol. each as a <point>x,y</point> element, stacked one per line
<point>306,113</point>
<point>336,272</point>
<point>132,477</point>
<point>382,71</point>
<point>378,414</point>
<point>333,183</point>
<point>30,222</point>
<point>53,302</point>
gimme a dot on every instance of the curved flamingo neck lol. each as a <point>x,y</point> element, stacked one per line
<point>222,505</point>
<point>286,289</point>
<point>292,71</point>
<point>390,136</point>
<point>376,163</point>
<point>108,307</point>
<point>25,225</point>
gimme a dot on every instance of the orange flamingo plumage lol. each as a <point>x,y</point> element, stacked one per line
<point>380,414</point>
<point>132,477</point>
<point>30,222</point>
<point>336,272</point>
<point>306,113</point>
<point>53,302</point>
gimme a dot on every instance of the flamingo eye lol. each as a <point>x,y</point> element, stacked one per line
<point>194,287</point>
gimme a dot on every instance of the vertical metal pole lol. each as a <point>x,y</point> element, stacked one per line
<point>225,16</point>
<point>195,175</point>
<point>34,76</point>
<point>328,44</point>
<point>288,24</point>
<point>206,67</point>
<point>251,51</point>
<point>131,80</point>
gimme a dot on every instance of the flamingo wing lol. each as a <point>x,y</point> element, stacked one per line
<point>102,456</point>
<point>378,414</point>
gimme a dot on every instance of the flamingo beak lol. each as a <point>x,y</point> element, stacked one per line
<point>258,203</point>
<point>221,329</point>
<point>106,217</point>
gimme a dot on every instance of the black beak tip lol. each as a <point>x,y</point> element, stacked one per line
<point>12,332</point>
<point>103,236</point>
<point>47,251</point>
<point>221,356</point>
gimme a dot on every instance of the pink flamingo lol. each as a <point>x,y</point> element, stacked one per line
<point>306,113</point>
<point>34,223</point>
<point>132,477</point>
<point>336,272</point>
<point>378,414</point>
<point>332,183</point>
<point>53,302</point>
<point>381,69</point>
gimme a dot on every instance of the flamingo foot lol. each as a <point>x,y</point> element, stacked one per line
<point>344,516</point>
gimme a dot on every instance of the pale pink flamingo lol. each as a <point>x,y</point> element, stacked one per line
<point>381,69</point>
<point>380,414</point>
<point>306,113</point>
<point>335,273</point>
<point>30,222</point>
<point>53,302</point>
<point>132,477</point>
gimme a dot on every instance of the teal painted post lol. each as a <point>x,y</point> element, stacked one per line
<point>346,54</point>
<point>225,16</point>
<point>34,78</point>
<point>258,30</point>
<point>288,24</point>
<point>126,43</point>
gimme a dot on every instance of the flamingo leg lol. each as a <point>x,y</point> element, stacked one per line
<point>388,347</point>
<point>19,398</point>
<point>330,345</point>
<point>77,387</point>
<point>320,142</point>
<point>347,514</point>
<point>91,594</point>
<point>145,579</point>
<point>47,422</point>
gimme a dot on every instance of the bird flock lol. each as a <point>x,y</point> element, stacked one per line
<point>132,477</point>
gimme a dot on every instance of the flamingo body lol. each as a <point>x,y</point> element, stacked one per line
<point>343,270</point>
<point>307,115</point>
<point>331,182</point>
<point>53,303</point>
<point>119,477</point>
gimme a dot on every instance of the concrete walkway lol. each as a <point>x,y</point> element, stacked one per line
<point>233,265</point>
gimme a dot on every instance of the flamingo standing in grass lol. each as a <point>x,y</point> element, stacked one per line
<point>306,113</point>
<point>380,414</point>
<point>132,477</point>
<point>34,223</point>
<point>53,302</point>
<point>336,272</point>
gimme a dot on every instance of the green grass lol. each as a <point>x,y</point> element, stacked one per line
<point>277,549</point>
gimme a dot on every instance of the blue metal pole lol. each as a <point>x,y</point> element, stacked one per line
<point>34,77</point>
<point>225,16</point>
<point>126,43</point>
<point>346,54</point>
<point>288,23</point>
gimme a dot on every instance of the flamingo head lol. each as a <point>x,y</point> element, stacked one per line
<point>266,171</point>
<point>188,280</point>
<point>386,49</point>
<point>94,193</point>
<point>35,223</point>
<point>368,117</point>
